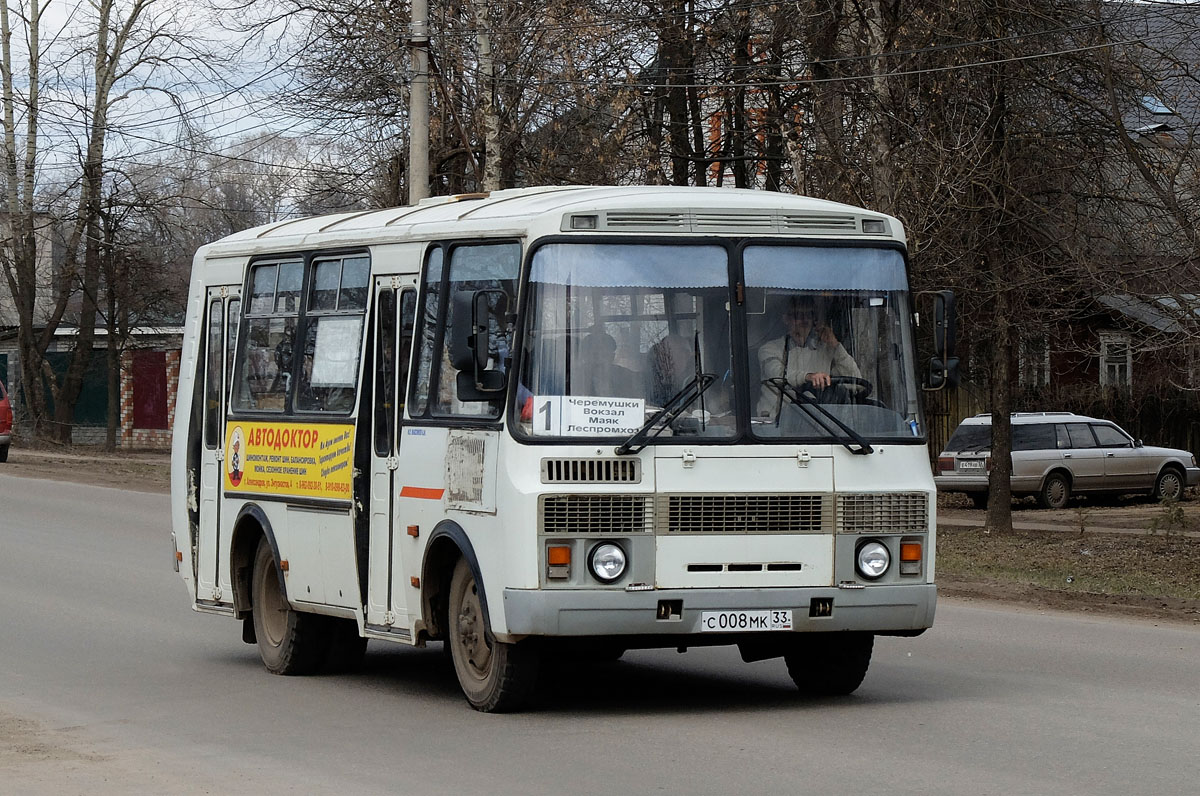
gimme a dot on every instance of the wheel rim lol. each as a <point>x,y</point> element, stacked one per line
<point>1056,492</point>
<point>470,637</point>
<point>1169,486</point>
<point>273,608</point>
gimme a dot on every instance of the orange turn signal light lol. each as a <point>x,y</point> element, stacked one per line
<point>178,556</point>
<point>558,556</point>
<point>910,551</point>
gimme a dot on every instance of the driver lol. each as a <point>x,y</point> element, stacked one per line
<point>808,355</point>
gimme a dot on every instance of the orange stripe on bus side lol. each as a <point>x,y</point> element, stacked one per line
<point>425,493</point>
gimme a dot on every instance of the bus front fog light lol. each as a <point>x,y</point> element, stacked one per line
<point>873,560</point>
<point>607,562</point>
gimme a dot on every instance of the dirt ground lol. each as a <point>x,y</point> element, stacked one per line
<point>1117,555</point>
<point>1127,556</point>
<point>144,471</point>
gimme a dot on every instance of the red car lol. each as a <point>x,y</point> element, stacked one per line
<point>6,421</point>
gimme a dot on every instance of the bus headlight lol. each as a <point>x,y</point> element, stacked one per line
<point>607,562</point>
<point>873,560</point>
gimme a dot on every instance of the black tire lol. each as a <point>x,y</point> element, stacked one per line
<point>345,648</point>
<point>495,677</point>
<point>1055,491</point>
<point>830,664</point>
<point>289,642</point>
<point>3,453</point>
<point>1169,485</point>
<point>979,499</point>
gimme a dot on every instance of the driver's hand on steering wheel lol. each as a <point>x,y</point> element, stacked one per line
<point>818,380</point>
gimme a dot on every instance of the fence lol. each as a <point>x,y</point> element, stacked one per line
<point>1166,417</point>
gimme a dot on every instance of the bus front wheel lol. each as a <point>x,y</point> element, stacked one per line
<point>495,676</point>
<point>289,642</point>
<point>830,664</point>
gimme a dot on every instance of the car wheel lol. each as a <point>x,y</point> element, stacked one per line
<point>1056,491</point>
<point>979,499</point>
<point>830,664</point>
<point>3,453</point>
<point>495,676</point>
<point>1169,485</point>
<point>289,642</point>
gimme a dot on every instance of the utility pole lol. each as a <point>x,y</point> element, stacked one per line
<point>418,104</point>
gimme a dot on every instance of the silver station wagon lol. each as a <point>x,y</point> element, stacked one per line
<point>1060,454</point>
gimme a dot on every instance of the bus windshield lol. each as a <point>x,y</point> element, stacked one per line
<point>615,331</point>
<point>829,333</point>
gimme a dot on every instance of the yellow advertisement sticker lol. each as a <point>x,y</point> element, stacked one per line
<point>294,459</point>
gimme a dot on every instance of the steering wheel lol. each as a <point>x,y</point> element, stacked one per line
<point>856,387</point>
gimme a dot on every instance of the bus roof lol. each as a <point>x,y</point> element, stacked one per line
<point>547,210</point>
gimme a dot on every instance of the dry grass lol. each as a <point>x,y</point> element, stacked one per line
<point>1115,564</point>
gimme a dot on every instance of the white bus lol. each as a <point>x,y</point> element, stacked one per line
<point>553,420</point>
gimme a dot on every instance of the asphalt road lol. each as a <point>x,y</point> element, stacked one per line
<point>110,684</point>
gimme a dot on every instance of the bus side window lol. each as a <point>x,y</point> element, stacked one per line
<point>408,320</point>
<point>488,267</point>
<point>212,381</point>
<point>385,372</point>
<point>333,334</point>
<point>267,354</point>
<point>430,310</point>
<point>233,317</point>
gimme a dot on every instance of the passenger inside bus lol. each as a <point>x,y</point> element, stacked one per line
<point>672,365</point>
<point>808,355</point>
<point>602,376</point>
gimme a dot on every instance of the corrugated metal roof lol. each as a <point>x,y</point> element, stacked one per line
<point>1161,313</point>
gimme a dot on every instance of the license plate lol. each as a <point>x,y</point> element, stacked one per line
<point>970,464</point>
<point>745,621</point>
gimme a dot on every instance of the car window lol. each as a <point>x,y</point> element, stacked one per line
<point>1034,437</point>
<point>1110,437</point>
<point>970,438</point>
<point>1061,437</point>
<point>1081,435</point>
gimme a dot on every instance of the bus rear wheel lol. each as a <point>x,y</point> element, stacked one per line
<point>289,642</point>
<point>830,664</point>
<point>495,676</point>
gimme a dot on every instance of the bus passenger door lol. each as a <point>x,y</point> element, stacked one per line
<point>220,329</point>
<point>395,312</point>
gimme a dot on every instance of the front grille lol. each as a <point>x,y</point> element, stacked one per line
<point>885,512</point>
<point>679,514</point>
<point>573,514</point>
<point>626,470</point>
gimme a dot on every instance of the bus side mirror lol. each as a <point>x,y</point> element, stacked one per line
<point>942,374</point>
<point>943,365</point>
<point>469,352</point>
<point>945,319</point>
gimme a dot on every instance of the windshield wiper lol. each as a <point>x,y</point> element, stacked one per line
<point>662,419</point>
<point>807,401</point>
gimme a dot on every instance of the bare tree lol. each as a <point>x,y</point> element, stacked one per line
<point>116,51</point>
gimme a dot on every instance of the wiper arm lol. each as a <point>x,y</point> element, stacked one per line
<point>808,402</point>
<point>662,419</point>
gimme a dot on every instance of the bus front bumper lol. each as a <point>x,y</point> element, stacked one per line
<point>875,609</point>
